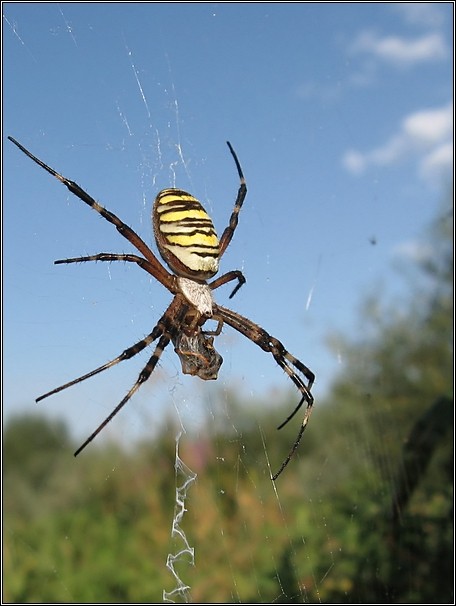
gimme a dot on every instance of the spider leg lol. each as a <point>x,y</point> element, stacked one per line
<point>125,355</point>
<point>292,451</point>
<point>217,330</point>
<point>242,192</point>
<point>229,277</point>
<point>284,359</point>
<point>287,361</point>
<point>175,309</point>
<point>167,328</point>
<point>272,345</point>
<point>143,376</point>
<point>159,272</point>
<point>143,263</point>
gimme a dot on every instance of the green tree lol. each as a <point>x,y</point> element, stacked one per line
<point>394,405</point>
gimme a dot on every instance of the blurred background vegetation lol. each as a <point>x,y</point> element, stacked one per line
<point>362,514</point>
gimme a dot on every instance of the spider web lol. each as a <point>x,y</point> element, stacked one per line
<point>184,553</point>
<point>126,117</point>
<point>155,134</point>
<point>184,476</point>
<point>184,479</point>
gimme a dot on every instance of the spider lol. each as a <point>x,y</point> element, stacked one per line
<point>187,242</point>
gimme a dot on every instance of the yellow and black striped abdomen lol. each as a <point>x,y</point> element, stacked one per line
<point>185,235</point>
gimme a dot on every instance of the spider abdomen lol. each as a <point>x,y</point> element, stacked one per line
<point>185,235</point>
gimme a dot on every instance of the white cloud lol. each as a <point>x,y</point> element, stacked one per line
<point>401,52</point>
<point>413,250</point>
<point>437,162</point>
<point>317,90</point>
<point>354,161</point>
<point>428,14</point>
<point>429,126</point>
<point>425,135</point>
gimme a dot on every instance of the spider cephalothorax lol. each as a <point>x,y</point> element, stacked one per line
<point>188,243</point>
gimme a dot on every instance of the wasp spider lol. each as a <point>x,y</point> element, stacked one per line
<point>188,243</point>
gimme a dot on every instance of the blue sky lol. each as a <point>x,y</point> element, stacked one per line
<point>341,115</point>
